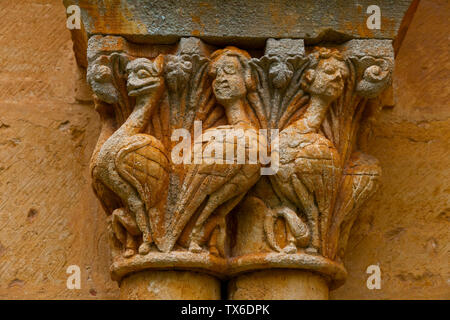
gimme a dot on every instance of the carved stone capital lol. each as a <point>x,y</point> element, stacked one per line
<point>229,218</point>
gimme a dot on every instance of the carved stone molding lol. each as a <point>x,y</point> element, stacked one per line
<point>292,212</point>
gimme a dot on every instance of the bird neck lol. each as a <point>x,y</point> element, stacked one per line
<point>314,115</point>
<point>140,116</point>
<point>236,114</point>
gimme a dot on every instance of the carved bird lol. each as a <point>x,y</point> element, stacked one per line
<point>310,165</point>
<point>133,165</point>
<point>211,187</point>
<point>307,177</point>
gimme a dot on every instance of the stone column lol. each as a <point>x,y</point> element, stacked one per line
<point>185,215</point>
<point>278,285</point>
<point>169,285</point>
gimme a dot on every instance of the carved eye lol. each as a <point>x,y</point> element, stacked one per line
<point>142,74</point>
<point>229,69</point>
<point>329,69</point>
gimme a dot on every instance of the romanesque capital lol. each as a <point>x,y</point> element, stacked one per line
<point>234,142</point>
<point>210,159</point>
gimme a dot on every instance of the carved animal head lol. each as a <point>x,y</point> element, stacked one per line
<point>100,78</point>
<point>145,77</point>
<point>326,74</point>
<point>231,73</point>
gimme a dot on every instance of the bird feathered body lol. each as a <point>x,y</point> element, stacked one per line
<point>309,172</point>
<point>212,185</point>
<point>131,166</point>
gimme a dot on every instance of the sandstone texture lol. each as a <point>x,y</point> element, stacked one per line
<point>278,285</point>
<point>50,218</point>
<point>228,22</point>
<point>170,285</point>
<point>405,227</point>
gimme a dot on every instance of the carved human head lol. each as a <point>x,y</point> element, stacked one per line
<point>231,75</point>
<point>144,76</point>
<point>326,74</point>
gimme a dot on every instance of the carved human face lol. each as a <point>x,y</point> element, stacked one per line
<point>229,82</point>
<point>143,77</point>
<point>329,77</point>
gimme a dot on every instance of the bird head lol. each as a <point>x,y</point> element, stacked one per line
<point>145,77</point>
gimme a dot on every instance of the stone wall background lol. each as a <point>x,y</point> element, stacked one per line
<point>50,219</point>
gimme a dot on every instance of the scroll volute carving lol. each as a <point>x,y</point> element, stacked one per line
<point>315,183</point>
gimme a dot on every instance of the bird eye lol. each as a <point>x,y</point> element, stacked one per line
<point>143,74</point>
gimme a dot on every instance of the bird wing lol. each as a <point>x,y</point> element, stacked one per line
<point>145,165</point>
<point>108,199</point>
<point>204,179</point>
<point>318,168</point>
<point>360,181</point>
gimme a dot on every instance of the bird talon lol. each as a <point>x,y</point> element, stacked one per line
<point>214,251</point>
<point>290,248</point>
<point>195,248</point>
<point>144,248</point>
<point>312,250</point>
<point>129,253</point>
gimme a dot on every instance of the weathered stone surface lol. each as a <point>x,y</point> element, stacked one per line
<point>170,285</point>
<point>49,218</point>
<point>278,285</point>
<point>165,212</point>
<point>404,227</point>
<point>233,22</point>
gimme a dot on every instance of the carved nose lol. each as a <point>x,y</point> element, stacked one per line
<point>131,85</point>
<point>337,77</point>
<point>220,75</point>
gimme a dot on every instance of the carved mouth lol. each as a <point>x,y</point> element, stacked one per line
<point>135,91</point>
<point>335,85</point>
<point>222,88</point>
